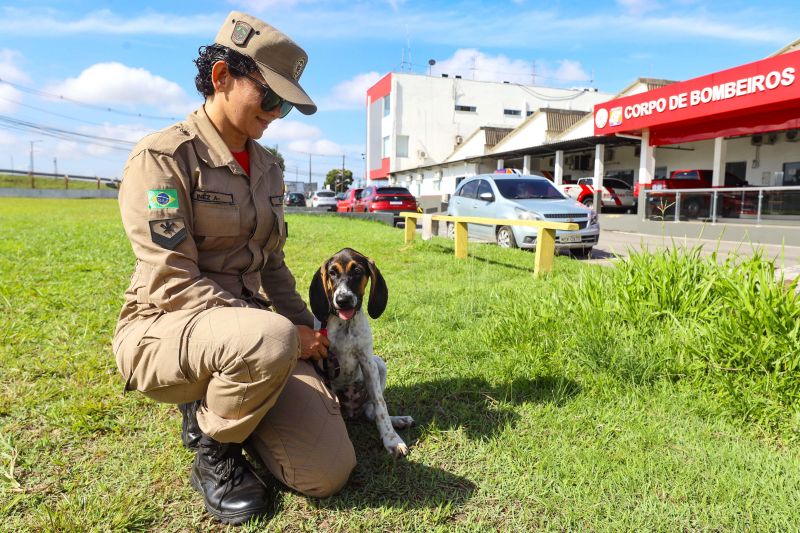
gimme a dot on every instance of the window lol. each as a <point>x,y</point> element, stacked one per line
<point>467,108</point>
<point>483,187</point>
<point>402,146</point>
<point>469,190</point>
<point>387,106</point>
<point>385,149</point>
<point>660,173</point>
<point>791,174</point>
<point>526,189</point>
<point>512,112</point>
<point>529,113</point>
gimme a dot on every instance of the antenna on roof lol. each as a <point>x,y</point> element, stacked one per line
<point>406,65</point>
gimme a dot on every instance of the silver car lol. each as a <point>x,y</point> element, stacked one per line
<point>516,197</point>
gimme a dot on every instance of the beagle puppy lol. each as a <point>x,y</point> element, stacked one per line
<point>336,295</point>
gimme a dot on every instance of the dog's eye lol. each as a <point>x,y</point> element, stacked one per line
<point>357,270</point>
<point>332,273</point>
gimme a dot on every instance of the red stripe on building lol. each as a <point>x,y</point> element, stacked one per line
<point>380,89</point>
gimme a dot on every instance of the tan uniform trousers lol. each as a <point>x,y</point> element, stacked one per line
<point>243,363</point>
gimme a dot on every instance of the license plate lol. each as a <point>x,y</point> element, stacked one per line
<point>395,203</point>
<point>657,187</point>
<point>570,238</point>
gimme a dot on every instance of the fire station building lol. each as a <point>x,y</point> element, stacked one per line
<point>429,133</point>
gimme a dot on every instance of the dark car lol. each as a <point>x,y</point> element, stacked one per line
<point>295,199</point>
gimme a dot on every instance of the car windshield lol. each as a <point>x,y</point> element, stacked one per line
<point>527,189</point>
<point>325,194</point>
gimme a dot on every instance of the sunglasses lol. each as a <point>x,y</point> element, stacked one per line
<point>270,100</point>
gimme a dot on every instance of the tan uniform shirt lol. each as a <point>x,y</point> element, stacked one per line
<point>204,233</point>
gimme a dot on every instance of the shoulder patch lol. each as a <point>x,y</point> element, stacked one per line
<point>168,232</point>
<point>162,198</point>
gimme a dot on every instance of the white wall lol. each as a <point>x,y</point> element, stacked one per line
<point>424,110</point>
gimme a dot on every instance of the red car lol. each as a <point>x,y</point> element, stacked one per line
<point>348,204</point>
<point>386,199</point>
<point>694,205</point>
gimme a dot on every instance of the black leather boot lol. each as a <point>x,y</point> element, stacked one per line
<point>232,493</point>
<point>190,430</point>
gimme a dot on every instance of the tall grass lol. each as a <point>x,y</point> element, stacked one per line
<point>731,328</point>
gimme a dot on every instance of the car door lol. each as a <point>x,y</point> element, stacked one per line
<point>483,208</point>
<point>461,204</point>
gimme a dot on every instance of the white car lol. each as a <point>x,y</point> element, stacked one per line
<point>616,193</point>
<point>324,198</point>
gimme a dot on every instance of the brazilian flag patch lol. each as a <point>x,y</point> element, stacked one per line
<point>162,198</point>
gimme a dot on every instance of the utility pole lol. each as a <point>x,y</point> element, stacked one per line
<point>342,174</point>
<point>33,183</point>
<point>309,172</point>
<point>55,167</point>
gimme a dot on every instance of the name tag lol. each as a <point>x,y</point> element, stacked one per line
<point>212,197</point>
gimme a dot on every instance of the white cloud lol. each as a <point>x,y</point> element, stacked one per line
<point>566,72</point>
<point>51,22</point>
<point>352,93</point>
<point>9,66</point>
<point>7,138</point>
<point>473,64</point>
<point>9,97</point>
<point>317,147</point>
<point>289,130</point>
<point>118,84</point>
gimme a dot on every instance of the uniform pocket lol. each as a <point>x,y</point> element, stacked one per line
<point>216,220</point>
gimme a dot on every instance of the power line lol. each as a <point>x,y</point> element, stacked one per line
<point>58,133</point>
<point>84,104</point>
<point>123,126</point>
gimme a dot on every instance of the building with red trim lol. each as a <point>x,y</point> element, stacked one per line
<point>743,120</point>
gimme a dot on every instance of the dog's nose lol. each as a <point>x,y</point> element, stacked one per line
<point>343,301</point>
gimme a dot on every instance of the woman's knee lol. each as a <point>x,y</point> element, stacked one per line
<point>267,343</point>
<point>327,482</point>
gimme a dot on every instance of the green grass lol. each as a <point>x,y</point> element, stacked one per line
<point>658,395</point>
<point>24,182</point>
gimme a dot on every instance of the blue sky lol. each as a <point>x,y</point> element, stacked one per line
<point>94,67</point>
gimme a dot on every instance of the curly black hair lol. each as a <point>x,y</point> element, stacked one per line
<point>208,55</point>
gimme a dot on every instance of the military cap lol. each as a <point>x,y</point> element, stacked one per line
<point>279,59</point>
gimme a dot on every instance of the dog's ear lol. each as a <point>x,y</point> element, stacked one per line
<point>318,294</point>
<point>378,292</point>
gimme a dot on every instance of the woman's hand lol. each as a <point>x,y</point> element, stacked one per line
<point>313,345</point>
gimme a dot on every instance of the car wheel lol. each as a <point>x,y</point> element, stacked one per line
<point>692,208</point>
<point>451,231</point>
<point>582,252</point>
<point>588,201</point>
<point>505,238</point>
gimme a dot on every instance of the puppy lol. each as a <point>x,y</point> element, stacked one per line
<point>337,295</point>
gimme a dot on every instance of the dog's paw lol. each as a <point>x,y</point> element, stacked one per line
<point>395,446</point>
<point>402,422</point>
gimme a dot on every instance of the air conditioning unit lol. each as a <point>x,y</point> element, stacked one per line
<point>757,140</point>
<point>459,139</point>
<point>421,154</point>
<point>772,138</point>
<point>792,136</point>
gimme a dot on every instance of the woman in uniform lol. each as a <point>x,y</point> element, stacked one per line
<point>212,320</point>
